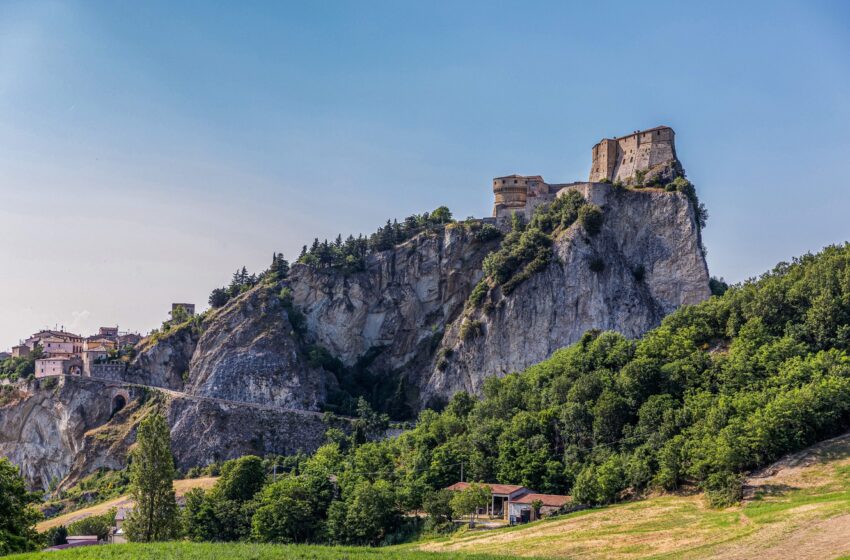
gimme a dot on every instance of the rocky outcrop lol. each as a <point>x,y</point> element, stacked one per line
<point>398,307</point>
<point>61,431</point>
<point>248,353</point>
<point>648,261</point>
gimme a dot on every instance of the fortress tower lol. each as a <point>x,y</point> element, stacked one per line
<point>643,158</point>
<point>650,151</point>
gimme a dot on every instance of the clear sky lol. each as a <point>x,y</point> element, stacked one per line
<point>150,148</point>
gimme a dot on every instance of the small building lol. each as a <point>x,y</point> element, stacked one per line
<point>189,308</point>
<point>502,494</point>
<point>20,351</point>
<point>58,365</point>
<point>515,503</point>
<point>108,332</point>
<point>521,510</point>
<point>75,541</point>
<point>117,535</point>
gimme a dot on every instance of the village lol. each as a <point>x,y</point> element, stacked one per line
<point>58,352</point>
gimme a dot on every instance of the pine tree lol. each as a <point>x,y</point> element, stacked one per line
<point>154,517</point>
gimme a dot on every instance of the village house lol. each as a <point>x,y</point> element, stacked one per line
<point>521,510</point>
<point>58,365</point>
<point>515,503</point>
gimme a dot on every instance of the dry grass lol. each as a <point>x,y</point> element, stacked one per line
<point>798,508</point>
<point>180,488</point>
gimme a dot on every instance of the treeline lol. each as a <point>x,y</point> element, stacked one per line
<point>350,255</point>
<point>21,367</point>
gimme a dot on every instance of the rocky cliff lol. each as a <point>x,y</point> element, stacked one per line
<point>648,261</point>
<point>254,375</point>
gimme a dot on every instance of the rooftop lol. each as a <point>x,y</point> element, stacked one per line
<point>494,488</point>
<point>551,500</point>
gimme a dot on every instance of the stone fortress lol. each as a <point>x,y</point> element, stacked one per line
<point>642,158</point>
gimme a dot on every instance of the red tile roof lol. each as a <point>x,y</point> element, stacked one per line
<point>494,488</point>
<point>551,500</point>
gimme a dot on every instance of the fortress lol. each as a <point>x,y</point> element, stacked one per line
<point>643,158</point>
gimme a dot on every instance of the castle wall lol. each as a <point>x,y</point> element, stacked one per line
<point>636,152</point>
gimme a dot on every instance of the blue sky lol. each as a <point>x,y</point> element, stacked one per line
<point>151,148</point>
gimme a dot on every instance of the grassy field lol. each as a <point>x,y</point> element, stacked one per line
<point>180,487</point>
<point>798,508</point>
<point>242,551</point>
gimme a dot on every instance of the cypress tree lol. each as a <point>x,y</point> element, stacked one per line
<point>154,517</point>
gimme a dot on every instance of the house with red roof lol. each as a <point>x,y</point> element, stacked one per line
<point>516,503</point>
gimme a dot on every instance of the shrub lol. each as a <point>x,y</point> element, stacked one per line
<point>590,217</point>
<point>723,489</point>
<point>479,292</point>
<point>471,328</point>
<point>99,525</point>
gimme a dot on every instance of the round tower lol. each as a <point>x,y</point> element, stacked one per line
<point>511,194</point>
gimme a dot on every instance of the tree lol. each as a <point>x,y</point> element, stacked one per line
<point>56,536</point>
<point>536,506</point>
<point>367,515</point>
<point>17,516</point>
<point>469,500</point>
<point>218,297</point>
<point>285,513</point>
<point>154,517</point>
<point>241,478</point>
<point>438,506</point>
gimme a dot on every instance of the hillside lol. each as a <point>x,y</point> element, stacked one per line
<point>180,489</point>
<point>391,319</point>
<point>799,507</point>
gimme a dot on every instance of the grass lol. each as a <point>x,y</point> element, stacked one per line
<point>180,488</point>
<point>802,511</point>
<point>242,551</point>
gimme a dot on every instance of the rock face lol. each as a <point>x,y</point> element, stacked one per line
<point>652,262</point>
<point>247,353</point>
<point>241,380</point>
<point>63,433</point>
<point>399,306</point>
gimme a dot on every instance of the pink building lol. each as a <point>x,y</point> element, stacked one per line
<point>58,365</point>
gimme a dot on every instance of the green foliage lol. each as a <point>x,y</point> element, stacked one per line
<point>103,484</point>
<point>368,514</point>
<point>99,525</point>
<point>590,216</point>
<point>241,478</point>
<point>438,505</point>
<point>468,501</point>
<point>56,536</point>
<point>527,248</point>
<point>471,328</point>
<point>241,281</point>
<point>718,286</point>
<point>17,514</point>
<point>154,516</point>
<point>350,255</point>
<point>21,367</point>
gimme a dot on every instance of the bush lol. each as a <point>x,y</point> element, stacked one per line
<point>590,217</point>
<point>723,489</point>
<point>471,328</point>
<point>99,525</point>
<point>479,292</point>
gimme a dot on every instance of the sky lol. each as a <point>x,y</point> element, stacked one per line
<point>148,149</point>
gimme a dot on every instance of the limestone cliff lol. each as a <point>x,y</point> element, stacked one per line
<point>651,262</point>
<point>61,431</point>
<point>243,379</point>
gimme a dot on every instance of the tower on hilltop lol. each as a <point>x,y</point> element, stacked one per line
<point>651,152</point>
